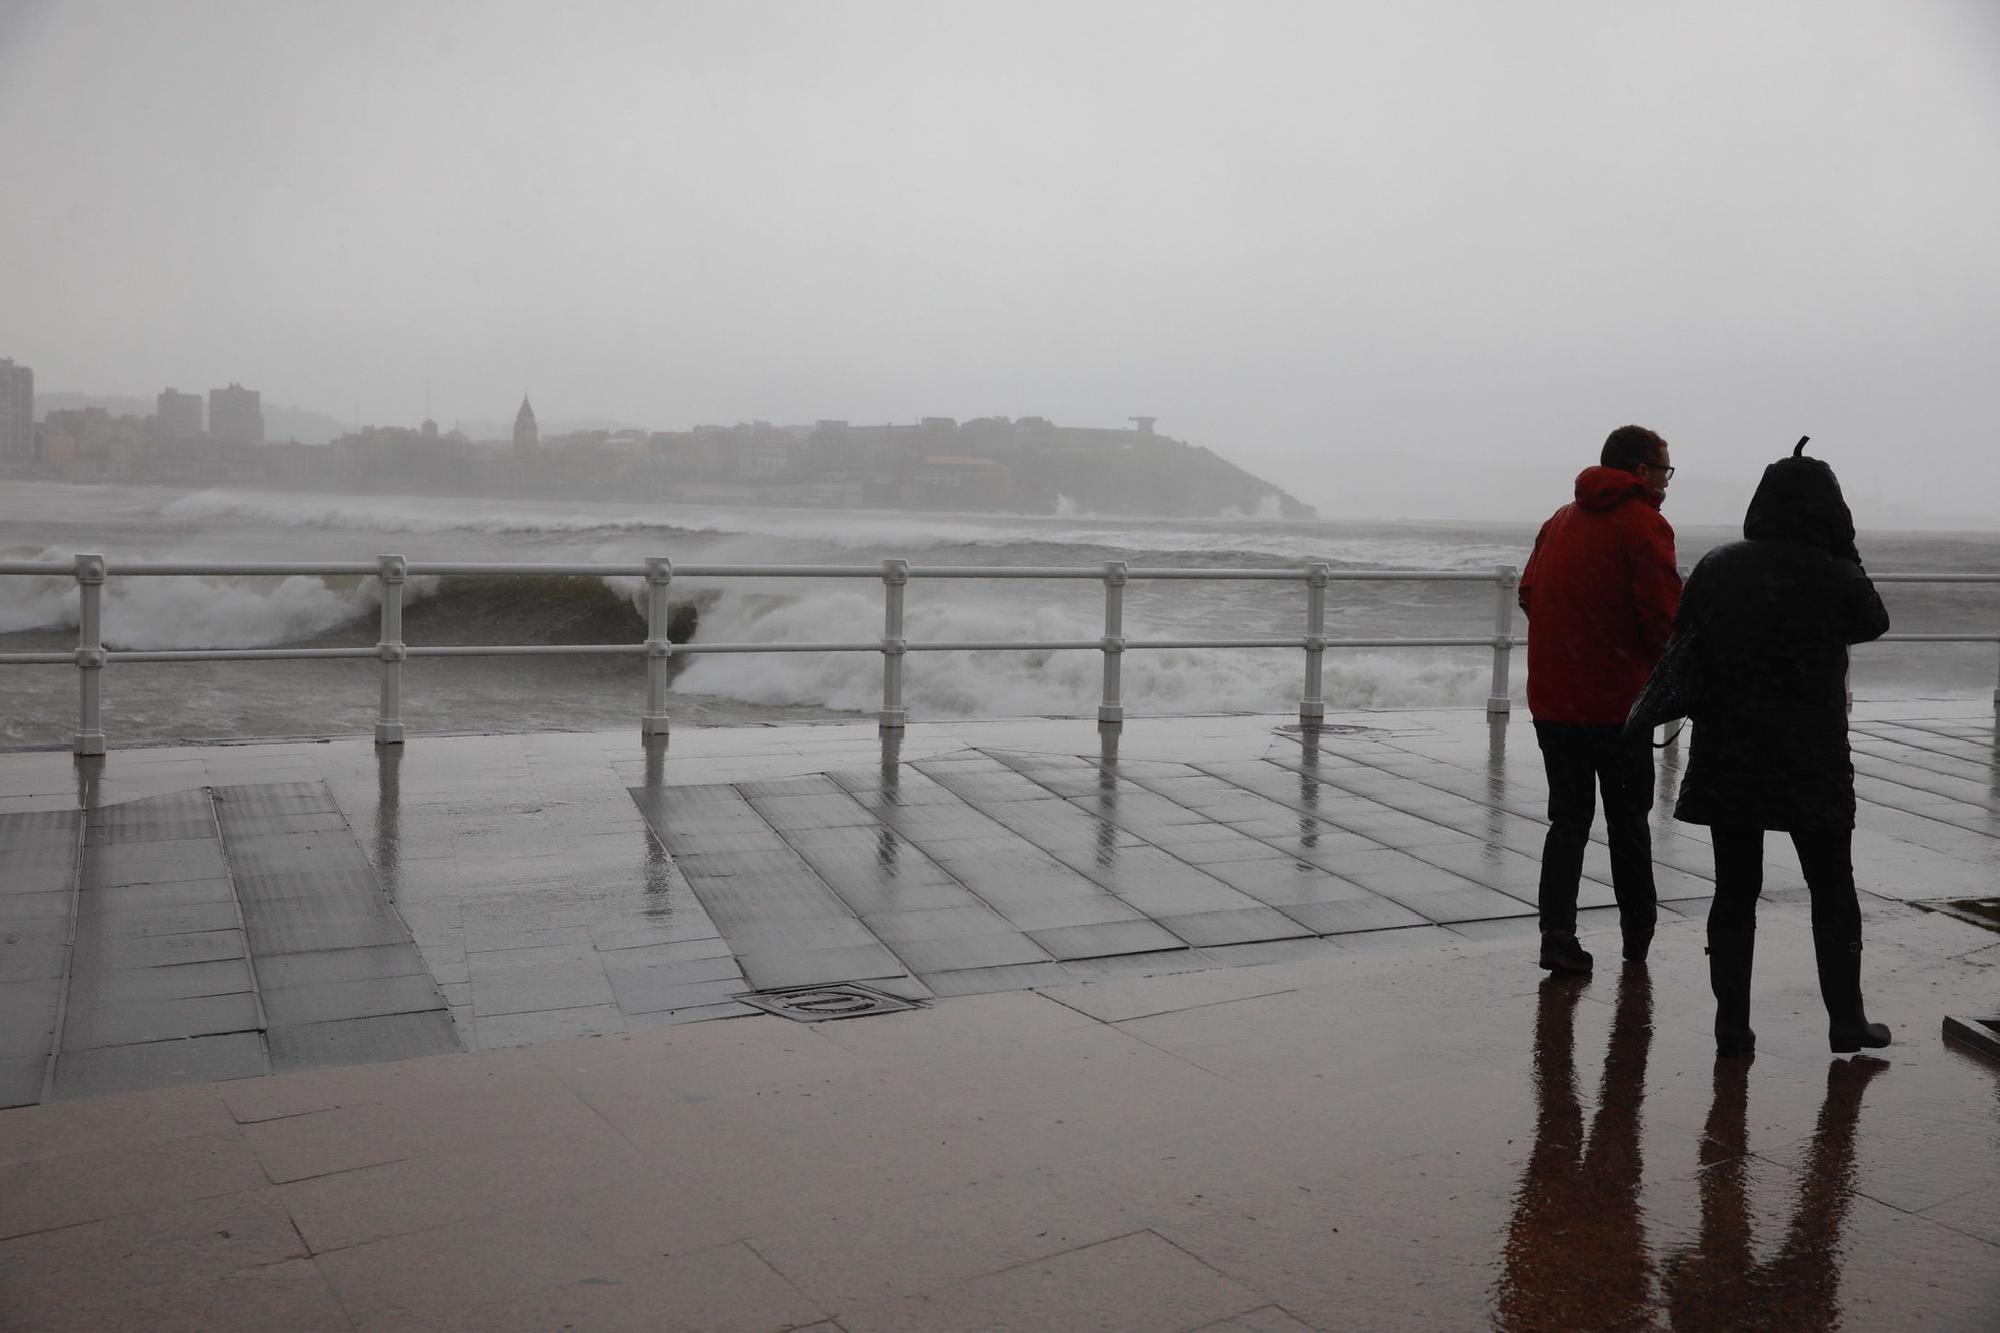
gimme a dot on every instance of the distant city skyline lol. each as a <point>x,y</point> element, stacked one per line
<point>499,428</point>
<point>1405,260</point>
<point>1701,496</point>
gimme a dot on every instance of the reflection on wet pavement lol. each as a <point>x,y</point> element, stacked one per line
<point>545,901</point>
<point>1219,1029</point>
<point>1576,1252</point>
<point>1720,1280</point>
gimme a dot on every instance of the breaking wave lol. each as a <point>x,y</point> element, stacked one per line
<point>171,613</point>
<point>720,533</point>
<point>1016,683</point>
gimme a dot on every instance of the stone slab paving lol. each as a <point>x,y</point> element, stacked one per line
<point>1427,1136</point>
<point>535,887</point>
<point>1227,1026</point>
<point>210,932</point>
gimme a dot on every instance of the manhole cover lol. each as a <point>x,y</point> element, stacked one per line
<point>819,1004</point>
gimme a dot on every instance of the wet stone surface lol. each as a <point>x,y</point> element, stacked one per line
<point>208,933</point>
<point>1225,1026</point>
<point>531,887</point>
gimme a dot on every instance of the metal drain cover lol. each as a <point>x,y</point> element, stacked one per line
<point>819,1004</point>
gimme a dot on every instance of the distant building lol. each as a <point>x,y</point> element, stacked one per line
<point>236,415</point>
<point>17,412</point>
<point>527,435</point>
<point>89,444</point>
<point>178,415</point>
<point>765,454</point>
<point>947,482</point>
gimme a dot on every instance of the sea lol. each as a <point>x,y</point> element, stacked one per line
<point>204,701</point>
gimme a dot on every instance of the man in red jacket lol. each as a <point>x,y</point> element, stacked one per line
<point>1600,592</point>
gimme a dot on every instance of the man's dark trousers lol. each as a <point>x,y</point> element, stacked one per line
<point>1581,757</point>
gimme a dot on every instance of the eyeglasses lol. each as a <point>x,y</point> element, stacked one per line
<point>1666,473</point>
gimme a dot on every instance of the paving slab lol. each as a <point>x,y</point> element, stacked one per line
<point>1363,1119</point>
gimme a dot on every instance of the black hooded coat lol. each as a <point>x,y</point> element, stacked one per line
<point>1772,617</point>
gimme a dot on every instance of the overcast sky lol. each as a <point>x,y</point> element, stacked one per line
<point>1401,258</point>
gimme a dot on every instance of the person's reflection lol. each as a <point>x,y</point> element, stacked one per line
<point>1718,1282</point>
<point>1576,1250</point>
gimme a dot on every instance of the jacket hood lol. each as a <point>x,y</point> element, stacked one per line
<point>1602,488</point>
<point>1799,500</point>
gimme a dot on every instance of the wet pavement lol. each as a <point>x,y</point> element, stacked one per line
<point>1225,1026</point>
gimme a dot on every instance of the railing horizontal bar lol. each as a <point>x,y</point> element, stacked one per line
<point>1485,641</point>
<point>526,650</point>
<point>1049,645</point>
<point>692,649</point>
<point>1005,645</point>
<point>1215,643</point>
<point>1006,571</point>
<point>1935,638</point>
<point>1336,575</point>
<point>418,567</point>
<point>186,568</point>
<point>183,568</point>
<point>38,659</point>
<point>778,571</point>
<point>232,654</point>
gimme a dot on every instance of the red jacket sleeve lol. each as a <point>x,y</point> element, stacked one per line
<point>1522,589</point>
<point>1656,586</point>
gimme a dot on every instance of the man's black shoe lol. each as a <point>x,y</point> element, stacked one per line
<point>1636,947</point>
<point>1561,953</point>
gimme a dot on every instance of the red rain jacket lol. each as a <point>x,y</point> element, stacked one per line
<point>1600,592</point>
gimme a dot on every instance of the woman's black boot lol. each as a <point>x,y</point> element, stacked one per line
<point>1730,952</point>
<point>1848,1028</point>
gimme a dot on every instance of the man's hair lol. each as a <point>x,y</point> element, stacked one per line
<point>1629,446</point>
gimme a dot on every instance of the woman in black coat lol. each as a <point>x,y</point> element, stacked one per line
<point>1772,618</point>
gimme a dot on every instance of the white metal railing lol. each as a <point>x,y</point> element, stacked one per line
<point>90,657</point>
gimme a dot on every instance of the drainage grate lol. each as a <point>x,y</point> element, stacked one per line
<point>818,1004</point>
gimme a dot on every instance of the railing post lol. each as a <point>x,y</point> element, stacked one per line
<point>90,654</point>
<point>1112,709</point>
<point>659,649</point>
<point>392,570</point>
<point>1312,706</point>
<point>1505,578</point>
<point>895,577</point>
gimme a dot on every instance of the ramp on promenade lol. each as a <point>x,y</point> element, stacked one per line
<point>1222,1024</point>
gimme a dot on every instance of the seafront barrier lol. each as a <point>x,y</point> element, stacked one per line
<point>92,572</point>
